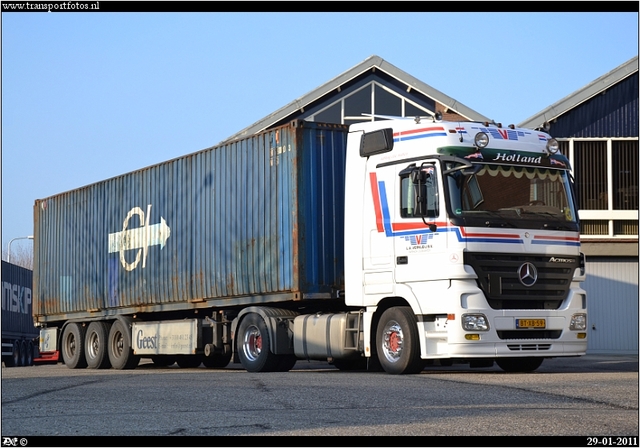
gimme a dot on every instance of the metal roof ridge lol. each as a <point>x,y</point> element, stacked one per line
<point>581,95</point>
<point>369,63</point>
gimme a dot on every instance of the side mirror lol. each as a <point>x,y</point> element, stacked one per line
<point>376,142</point>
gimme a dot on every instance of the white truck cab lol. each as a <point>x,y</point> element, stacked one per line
<point>462,244</point>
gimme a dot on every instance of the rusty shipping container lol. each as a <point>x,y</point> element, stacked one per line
<point>251,221</point>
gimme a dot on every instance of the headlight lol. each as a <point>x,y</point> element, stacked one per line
<point>553,146</point>
<point>481,139</point>
<point>578,322</point>
<point>475,322</point>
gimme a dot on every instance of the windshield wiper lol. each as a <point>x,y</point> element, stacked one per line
<point>499,221</point>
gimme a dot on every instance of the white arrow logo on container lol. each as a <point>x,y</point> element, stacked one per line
<point>140,238</point>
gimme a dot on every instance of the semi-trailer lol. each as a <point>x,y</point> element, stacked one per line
<point>393,243</point>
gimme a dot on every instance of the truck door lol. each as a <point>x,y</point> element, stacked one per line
<point>419,223</point>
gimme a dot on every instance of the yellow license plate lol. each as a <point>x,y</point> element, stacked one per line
<point>531,323</point>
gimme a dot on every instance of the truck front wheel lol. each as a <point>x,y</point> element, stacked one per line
<point>119,345</point>
<point>73,346</point>
<point>253,345</point>
<point>397,341</point>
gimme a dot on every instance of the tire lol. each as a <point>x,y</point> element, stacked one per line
<point>189,361</point>
<point>397,341</point>
<point>216,361</point>
<point>23,353</point>
<point>73,346</point>
<point>14,359</point>
<point>519,365</point>
<point>119,347</point>
<point>253,345</point>
<point>163,360</point>
<point>95,346</point>
<point>29,354</point>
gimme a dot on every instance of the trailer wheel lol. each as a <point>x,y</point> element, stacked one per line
<point>163,360</point>
<point>95,346</point>
<point>519,364</point>
<point>73,346</point>
<point>23,353</point>
<point>30,356</point>
<point>216,361</point>
<point>119,347</point>
<point>253,345</point>
<point>188,361</point>
<point>14,360</point>
<point>397,341</point>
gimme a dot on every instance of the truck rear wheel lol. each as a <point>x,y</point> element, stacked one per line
<point>519,364</point>
<point>253,345</point>
<point>73,346</point>
<point>119,347</point>
<point>397,341</point>
<point>95,348</point>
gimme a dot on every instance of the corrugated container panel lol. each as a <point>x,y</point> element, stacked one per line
<point>248,219</point>
<point>323,204</point>
<point>612,303</point>
<point>613,113</point>
<point>17,283</point>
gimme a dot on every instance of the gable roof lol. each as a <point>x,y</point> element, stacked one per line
<point>580,96</point>
<point>361,70</point>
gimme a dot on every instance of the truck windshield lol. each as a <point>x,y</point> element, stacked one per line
<point>508,196</point>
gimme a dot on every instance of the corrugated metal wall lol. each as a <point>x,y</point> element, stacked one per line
<point>613,113</point>
<point>254,217</point>
<point>612,302</point>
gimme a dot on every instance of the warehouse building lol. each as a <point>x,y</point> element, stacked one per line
<point>598,130</point>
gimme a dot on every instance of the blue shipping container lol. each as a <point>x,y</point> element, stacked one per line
<point>17,318</point>
<point>256,220</point>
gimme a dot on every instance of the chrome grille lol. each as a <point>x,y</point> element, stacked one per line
<point>498,278</point>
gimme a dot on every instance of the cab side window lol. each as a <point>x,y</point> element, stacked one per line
<point>418,192</point>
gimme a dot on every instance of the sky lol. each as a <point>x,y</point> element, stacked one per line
<point>89,96</point>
